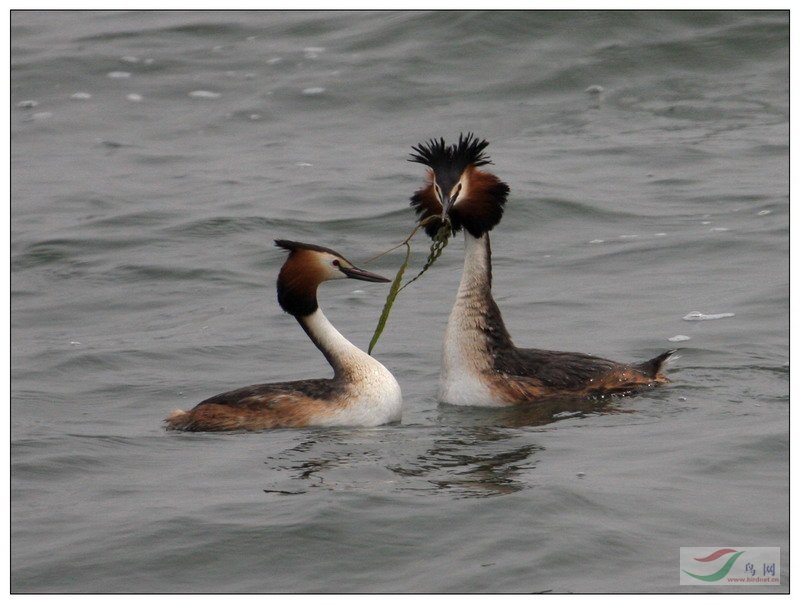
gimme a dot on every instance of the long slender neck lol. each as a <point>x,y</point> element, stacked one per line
<point>343,355</point>
<point>476,280</point>
<point>475,307</point>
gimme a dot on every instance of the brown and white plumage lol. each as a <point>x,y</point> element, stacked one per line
<point>362,391</point>
<point>480,363</point>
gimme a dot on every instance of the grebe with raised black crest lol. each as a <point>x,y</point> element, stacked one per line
<point>480,363</point>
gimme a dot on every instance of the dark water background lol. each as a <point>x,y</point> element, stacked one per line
<point>155,156</point>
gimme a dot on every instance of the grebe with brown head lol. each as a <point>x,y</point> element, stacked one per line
<point>480,363</point>
<point>362,391</point>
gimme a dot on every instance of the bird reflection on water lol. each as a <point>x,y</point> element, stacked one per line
<point>478,462</point>
<point>467,453</point>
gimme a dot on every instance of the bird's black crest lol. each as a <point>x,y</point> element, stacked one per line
<point>292,246</point>
<point>487,194</point>
<point>437,155</point>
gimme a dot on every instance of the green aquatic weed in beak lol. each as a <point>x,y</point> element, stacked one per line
<point>437,246</point>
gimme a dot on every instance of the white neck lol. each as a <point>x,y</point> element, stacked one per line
<point>475,300</point>
<point>464,336</point>
<point>474,331</point>
<point>477,276</point>
<point>342,354</point>
<point>372,395</point>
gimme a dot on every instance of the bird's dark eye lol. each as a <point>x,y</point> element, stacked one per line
<point>335,262</point>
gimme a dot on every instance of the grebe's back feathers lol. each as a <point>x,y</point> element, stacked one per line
<point>530,374</point>
<point>261,396</point>
<point>260,406</point>
<point>652,367</point>
<point>556,369</point>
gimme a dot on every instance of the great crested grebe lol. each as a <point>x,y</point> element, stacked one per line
<point>480,364</point>
<point>361,393</point>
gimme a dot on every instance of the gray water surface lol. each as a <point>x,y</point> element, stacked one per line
<point>155,157</point>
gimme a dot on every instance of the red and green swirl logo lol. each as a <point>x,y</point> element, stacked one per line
<point>723,571</point>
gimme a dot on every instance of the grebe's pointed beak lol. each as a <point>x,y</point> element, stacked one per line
<point>356,273</point>
<point>447,205</point>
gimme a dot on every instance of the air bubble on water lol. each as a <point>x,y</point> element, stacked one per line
<point>314,90</point>
<point>697,316</point>
<point>632,236</point>
<point>129,59</point>
<point>659,234</point>
<point>595,94</point>
<point>81,95</point>
<point>303,164</point>
<point>597,241</point>
<point>678,338</point>
<point>119,74</point>
<point>705,222</point>
<point>719,229</point>
<point>29,104</point>
<point>74,343</point>
<point>764,212</point>
<point>136,98</point>
<point>204,94</point>
<point>255,116</point>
